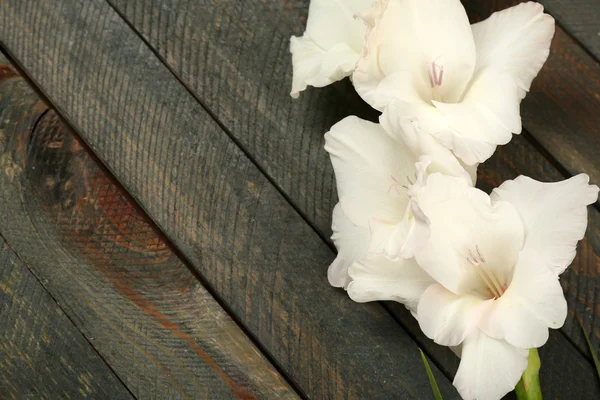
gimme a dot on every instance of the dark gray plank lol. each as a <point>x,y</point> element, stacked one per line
<point>580,18</point>
<point>236,60</point>
<point>263,260</point>
<point>144,311</point>
<point>42,354</point>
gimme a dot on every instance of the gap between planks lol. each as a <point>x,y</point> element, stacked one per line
<point>59,306</point>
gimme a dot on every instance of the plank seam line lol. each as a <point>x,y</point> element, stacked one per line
<point>280,190</point>
<point>573,37</point>
<point>214,117</point>
<point>63,311</point>
<point>174,248</point>
<point>553,161</point>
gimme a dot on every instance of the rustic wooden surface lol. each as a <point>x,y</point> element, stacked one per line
<point>215,55</point>
<point>42,354</point>
<point>581,18</point>
<point>143,310</point>
<point>234,61</point>
<point>221,57</point>
<point>255,251</point>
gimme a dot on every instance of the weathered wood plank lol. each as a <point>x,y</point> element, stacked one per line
<point>235,81</point>
<point>256,252</point>
<point>561,110</point>
<point>247,87</point>
<point>144,311</point>
<point>236,59</point>
<point>580,18</point>
<point>42,354</point>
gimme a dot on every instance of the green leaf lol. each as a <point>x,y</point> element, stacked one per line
<point>594,354</point>
<point>434,387</point>
<point>528,387</point>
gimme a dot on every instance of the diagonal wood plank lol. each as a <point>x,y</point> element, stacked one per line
<point>115,276</point>
<point>580,18</point>
<point>561,110</point>
<point>221,56</point>
<point>256,252</point>
<point>42,354</point>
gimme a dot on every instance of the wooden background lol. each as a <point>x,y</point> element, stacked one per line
<point>166,208</point>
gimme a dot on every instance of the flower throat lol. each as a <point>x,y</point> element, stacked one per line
<point>485,273</point>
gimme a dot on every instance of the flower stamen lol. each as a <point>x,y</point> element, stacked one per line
<point>436,76</point>
<point>396,186</point>
<point>488,277</point>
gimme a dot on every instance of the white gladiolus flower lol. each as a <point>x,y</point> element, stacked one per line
<point>376,176</point>
<point>461,83</point>
<point>331,44</point>
<point>494,263</point>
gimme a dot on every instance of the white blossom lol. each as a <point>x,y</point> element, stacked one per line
<point>461,83</point>
<point>494,264</point>
<point>331,44</point>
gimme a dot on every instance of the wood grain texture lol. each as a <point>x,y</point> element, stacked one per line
<point>256,252</point>
<point>235,57</point>
<point>580,18</point>
<point>142,308</point>
<point>42,354</point>
<point>561,109</point>
<point>236,60</point>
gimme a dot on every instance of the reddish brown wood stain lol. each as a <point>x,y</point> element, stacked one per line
<point>108,269</point>
<point>6,71</point>
<point>98,220</point>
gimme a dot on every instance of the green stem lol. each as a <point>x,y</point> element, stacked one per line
<point>528,387</point>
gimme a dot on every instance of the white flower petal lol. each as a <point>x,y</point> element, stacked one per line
<point>376,277</point>
<point>386,238</point>
<point>487,116</point>
<point>424,145</point>
<point>533,302</point>
<point>489,111</point>
<point>489,368</point>
<point>371,169</point>
<point>515,40</point>
<point>316,67</point>
<point>412,35</point>
<point>447,318</point>
<point>403,239</point>
<point>330,47</point>
<point>463,222</point>
<point>418,230</point>
<point>469,151</point>
<point>472,171</point>
<point>351,242</point>
<point>554,215</point>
